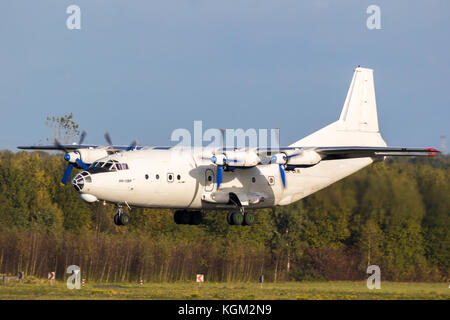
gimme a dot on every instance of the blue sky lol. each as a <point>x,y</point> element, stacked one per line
<point>140,69</point>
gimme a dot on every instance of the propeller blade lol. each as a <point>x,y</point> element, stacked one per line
<point>83,135</point>
<point>59,146</point>
<point>132,145</point>
<point>108,138</point>
<point>219,176</point>
<point>283,175</point>
<point>81,164</point>
<point>67,174</point>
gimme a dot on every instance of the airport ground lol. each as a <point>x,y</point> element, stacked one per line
<point>324,290</point>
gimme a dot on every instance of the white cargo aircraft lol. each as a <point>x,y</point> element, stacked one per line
<point>237,180</point>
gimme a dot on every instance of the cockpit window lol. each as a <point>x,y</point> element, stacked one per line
<point>107,165</point>
<point>122,166</point>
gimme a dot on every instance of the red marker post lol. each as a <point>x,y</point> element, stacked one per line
<point>51,277</point>
<point>200,279</point>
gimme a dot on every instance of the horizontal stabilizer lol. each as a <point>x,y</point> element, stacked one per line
<point>330,153</point>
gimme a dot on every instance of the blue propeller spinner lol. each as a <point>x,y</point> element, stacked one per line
<point>67,157</point>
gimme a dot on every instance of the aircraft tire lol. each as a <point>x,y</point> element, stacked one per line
<point>196,218</point>
<point>124,219</point>
<point>116,220</point>
<point>249,219</point>
<point>177,216</point>
<point>185,217</point>
<point>237,218</point>
<point>229,214</point>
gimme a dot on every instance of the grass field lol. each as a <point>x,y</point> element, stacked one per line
<point>40,289</point>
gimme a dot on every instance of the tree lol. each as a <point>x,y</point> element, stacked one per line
<point>63,128</point>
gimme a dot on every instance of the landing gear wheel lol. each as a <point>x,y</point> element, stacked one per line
<point>237,218</point>
<point>229,214</point>
<point>177,216</point>
<point>182,217</point>
<point>249,218</point>
<point>117,220</point>
<point>196,218</point>
<point>124,219</point>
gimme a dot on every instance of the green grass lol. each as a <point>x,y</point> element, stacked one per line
<point>40,289</point>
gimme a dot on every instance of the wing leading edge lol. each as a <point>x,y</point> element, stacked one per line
<point>72,147</point>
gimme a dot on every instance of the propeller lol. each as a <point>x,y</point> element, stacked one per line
<point>219,176</point>
<point>132,145</point>
<point>282,159</point>
<point>82,136</point>
<point>108,139</point>
<point>283,174</point>
<point>67,157</point>
<point>220,160</point>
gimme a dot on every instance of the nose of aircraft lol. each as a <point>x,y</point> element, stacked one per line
<point>80,179</point>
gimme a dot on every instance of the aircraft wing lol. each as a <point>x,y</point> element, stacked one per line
<point>71,147</point>
<point>330,153</point>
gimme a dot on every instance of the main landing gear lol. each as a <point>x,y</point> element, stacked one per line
<point>240,218</point>
<point>188,217</point>
<point>121,219</point>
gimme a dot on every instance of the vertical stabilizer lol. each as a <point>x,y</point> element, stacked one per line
<point>360,108</point>
<point>358,123</point>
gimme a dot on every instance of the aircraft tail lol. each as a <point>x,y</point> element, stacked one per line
<point>358,123</point>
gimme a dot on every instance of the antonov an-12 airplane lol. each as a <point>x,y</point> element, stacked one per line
<point>237,180</point>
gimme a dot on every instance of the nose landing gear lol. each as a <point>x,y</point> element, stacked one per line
<point>121,219</point>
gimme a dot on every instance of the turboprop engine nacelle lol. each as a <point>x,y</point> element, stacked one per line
<point>307,157</point>
<point>242,158</point>
<point>91,155</point>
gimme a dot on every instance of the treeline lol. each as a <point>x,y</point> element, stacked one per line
<point>394,214</point>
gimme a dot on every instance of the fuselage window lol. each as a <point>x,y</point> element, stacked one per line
<point>178,177</point>
<point>170,177</point>
<point>146,176</point>
<point>157,176</point>
<point>253,179</point>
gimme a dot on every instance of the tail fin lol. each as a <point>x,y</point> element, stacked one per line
<point>358,123</point>
<point>360,107</point>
